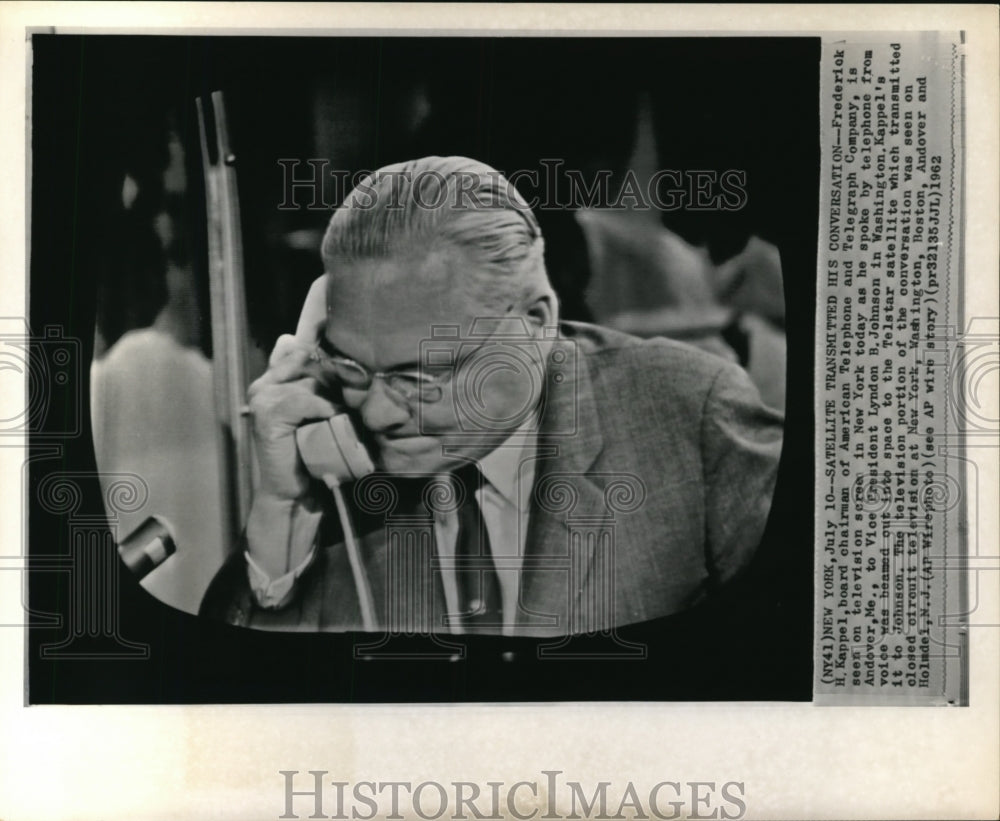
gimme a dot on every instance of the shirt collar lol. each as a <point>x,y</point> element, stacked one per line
<point>502,465</point>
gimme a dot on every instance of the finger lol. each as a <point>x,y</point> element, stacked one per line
<point>296,407</point>
<point>266,392</point>
<point>294,361</point>
<point>301,372</point>
<point>289,346</point>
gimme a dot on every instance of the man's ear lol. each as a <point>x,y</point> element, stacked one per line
<point>542,311</point>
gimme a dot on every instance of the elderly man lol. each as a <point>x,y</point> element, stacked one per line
<point>531,477</point>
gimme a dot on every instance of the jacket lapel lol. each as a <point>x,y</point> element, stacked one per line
<point>564,500</point>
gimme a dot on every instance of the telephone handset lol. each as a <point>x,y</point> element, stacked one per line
<point>331,451</point>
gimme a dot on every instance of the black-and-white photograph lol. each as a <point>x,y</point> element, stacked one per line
<point>473,354</point>
<point>499,410</point>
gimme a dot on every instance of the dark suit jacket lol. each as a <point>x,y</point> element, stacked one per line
<point>657,466</point>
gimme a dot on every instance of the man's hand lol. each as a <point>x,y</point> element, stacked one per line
<point>283,520</point>
<point>284,398</point>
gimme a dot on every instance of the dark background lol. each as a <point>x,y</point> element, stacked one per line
<point>100,108</point>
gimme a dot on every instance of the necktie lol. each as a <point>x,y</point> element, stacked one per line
<point>479,600</point>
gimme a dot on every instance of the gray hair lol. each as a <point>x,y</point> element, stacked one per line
<point>438,201</point>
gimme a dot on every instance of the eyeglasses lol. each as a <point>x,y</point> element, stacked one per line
<point>410,385</point>
<point>424,385</point>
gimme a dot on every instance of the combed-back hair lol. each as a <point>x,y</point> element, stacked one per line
<point>426,204</point>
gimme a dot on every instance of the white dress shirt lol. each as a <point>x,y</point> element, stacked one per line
<point>505,502</point>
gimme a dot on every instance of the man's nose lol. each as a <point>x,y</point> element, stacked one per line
<point>382,410</point>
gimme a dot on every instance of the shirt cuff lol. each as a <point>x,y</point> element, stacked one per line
<point>272,594</point>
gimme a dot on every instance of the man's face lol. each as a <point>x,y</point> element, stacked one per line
<point>380,311</point>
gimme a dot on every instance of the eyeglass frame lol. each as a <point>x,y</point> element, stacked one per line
<point>438,382</point>
<point>390,378</point>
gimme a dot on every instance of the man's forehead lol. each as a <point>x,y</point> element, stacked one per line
<point>379,311</point>
<point>433,270</point>
<point>397,289</point>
